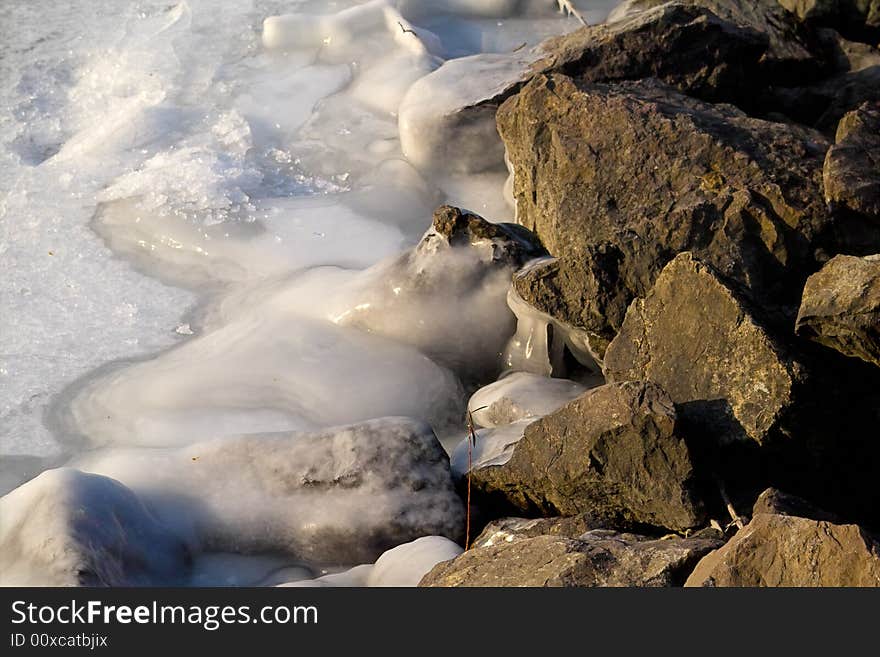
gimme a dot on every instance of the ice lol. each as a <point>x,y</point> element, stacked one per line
<point>340,495</point>
<point>519,396</point>
<point>529,348</point>
<point>353,577</point>
<point>187,217</point>
<point>493,447</point>
<point>445,297</point>
<point>447,119</point>
<point>270,364</point>
<point>406,564</point>
<point>66,528</point>
<point>541,342</point>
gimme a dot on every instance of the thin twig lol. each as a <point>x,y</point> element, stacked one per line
<point>737,520</point>
<point>571,10</point>
<point>472,443</point>
<point>520,46</point>
<point>406,30</point>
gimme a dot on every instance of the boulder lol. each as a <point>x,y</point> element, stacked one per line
<point>561,558</point>
<point>462,264</point>
<point>447,118</point>
<point>341,495</point>
<point>859,18</point>
<point>841,307</point>
<point>777,502</point>
<point>788,54</point>
<point>852,165</point>
<point>68,528</point>
<point>617,179</point>
<point>778,548</point>
<point>614,453</point>
<point>855,79</point>
<point>695,336</point>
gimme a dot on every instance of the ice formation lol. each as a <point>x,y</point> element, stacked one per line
<point>196,193</point>
<point>520,396</point>
<point>492,447</point>
<point>67,528</point>
<point>324,496</point>
<point>404,565</point>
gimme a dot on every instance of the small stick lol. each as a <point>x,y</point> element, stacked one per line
<point>737,520</point>
<point>566,6</point>
<point>406,30</point>
<point>520,46</point>
<point>472,442</point>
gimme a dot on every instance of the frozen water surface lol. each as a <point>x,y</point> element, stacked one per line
<point>191,195</point>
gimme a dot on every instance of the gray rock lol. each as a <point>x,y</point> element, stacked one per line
<point>841,307</point>
<point>594,558</point>
<point>613,454</point>
<point>616,180</point>
<point>695,337</point>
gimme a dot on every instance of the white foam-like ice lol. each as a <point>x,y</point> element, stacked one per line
<point>192,191</point>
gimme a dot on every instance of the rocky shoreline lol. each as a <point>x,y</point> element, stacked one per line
<point>672,355</point>
<point>706,178</point>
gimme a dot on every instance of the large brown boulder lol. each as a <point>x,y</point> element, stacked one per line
<point>695,337</point>
<point>778,548</point>
<point>618,179</point>
<point>594,558</point>
<point>841,307</point>
<point>614,453</point>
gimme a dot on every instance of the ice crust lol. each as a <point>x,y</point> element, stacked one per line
<point>199,199</point>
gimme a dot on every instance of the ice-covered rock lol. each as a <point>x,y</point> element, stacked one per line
<point>520,396</point>
<point>337,496</point>
<point>406,564</point>
<point>67,528</point>
<point>542,339</point>
<point>267,369</point>
<point>352,577</point>
<point>447,118</point>
<point>446,296</point>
